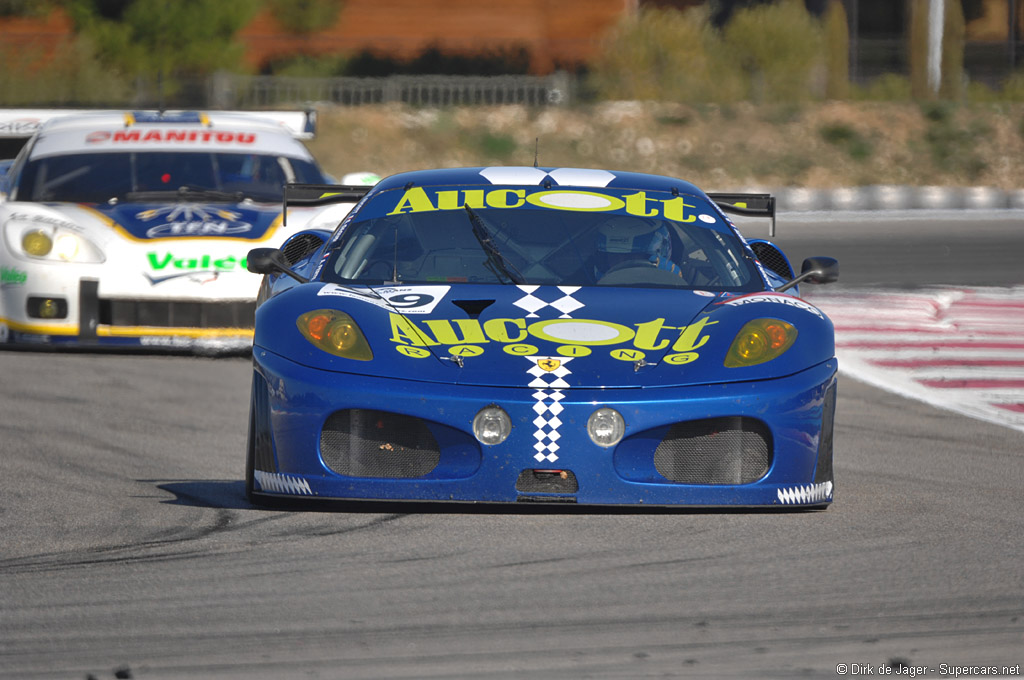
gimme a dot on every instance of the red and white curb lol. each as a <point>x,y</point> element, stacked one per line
<point>960,349</point>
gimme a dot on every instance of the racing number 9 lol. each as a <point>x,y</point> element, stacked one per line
<point>410,300</point>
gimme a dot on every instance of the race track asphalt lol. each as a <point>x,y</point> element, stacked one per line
<point>127,548</point>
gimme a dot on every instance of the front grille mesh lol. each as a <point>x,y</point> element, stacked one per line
<point>772,259</point>
<point>547,481</point>
<point>177,314</point>
<point>716,451</point>
<point>823,472</point>
<point>368,443</point>
<point>301,246</point>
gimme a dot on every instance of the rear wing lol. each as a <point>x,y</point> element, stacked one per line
<point>748,205</point>
<point>23,123</point>
<point>312,195</point>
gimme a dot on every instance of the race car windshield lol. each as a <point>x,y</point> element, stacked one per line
<point>531,236</point>
<point>161,176</point>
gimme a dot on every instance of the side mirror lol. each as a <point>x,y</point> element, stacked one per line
<point>815,270</point>
<point>270,261</point>
<point>820,270</point>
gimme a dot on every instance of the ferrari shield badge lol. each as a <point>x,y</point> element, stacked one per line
<point>549,364</point>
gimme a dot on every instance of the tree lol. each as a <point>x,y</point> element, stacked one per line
<point>165,41</point>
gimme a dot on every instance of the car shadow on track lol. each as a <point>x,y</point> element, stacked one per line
<point>230,494</point>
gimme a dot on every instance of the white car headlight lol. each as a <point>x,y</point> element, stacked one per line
<point>51,243</point>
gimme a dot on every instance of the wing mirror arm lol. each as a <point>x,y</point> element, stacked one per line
<point>815,270</point>
<point>270,261</point>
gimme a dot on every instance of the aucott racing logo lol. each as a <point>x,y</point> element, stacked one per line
<point>417,200</point>
<point>573,337</point>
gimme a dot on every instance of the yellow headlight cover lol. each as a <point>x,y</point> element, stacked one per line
<point>335,333</point>
<point>759,341</point>
<point>37,243</point>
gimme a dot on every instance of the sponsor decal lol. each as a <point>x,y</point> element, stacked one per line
<point>776,298</point>
<point>564,303</point>
<point>175,266</point>
<point>136,136</point>
<point>425,199</point>
<point>549,364</point>
<point>9,276</point>
<point>572,337</point>
<point>585,177</point>
<point>19,127</point>
<point>810,493</point>
<point>273,482</point>
<point>406,299</point>
<point>44,220</point>
<point>548,377</point>
<point>193,220</point>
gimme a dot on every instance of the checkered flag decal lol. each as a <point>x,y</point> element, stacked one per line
<point>549,378</point>
<point>564,302</point>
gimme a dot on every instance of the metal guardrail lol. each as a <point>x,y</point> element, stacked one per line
<point>229,91</point>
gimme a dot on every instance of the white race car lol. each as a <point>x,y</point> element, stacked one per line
<point>131,229</point>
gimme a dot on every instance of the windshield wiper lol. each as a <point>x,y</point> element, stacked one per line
<point>499,265</point>
<point>186,192</point>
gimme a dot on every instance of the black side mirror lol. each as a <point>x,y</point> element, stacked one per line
<point>270,261</point>
<point>815,270</point>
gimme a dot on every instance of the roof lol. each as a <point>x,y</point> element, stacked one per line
<point>111,131</point>
<point>23,123</point>
<point>540,176</point>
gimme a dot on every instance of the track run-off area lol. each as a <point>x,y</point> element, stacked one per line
<point>128,550</point>
<point>957,348</point>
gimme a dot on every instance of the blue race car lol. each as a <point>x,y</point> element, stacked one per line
<point>563,335</point>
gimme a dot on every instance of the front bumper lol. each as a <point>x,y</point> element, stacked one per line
<point>79,316</point>
<point>293,403</point>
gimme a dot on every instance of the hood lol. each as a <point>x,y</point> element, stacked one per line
<point>515,336</point>
<point>147,221</point>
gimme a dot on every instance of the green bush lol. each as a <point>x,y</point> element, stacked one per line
<point>766,53</point>
<point>306,16</point>
<point>889,87</point>
<point>779,46</point>
<point>849,140</point>
<point>951,141</point>
<point>665,55</point>
<point>497,146</point>
<point>75,76</point>
<point>837,51</point>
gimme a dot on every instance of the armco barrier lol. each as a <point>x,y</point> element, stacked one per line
<point>894,197</point>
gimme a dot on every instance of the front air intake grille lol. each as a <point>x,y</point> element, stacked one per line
<point>823,472</point>
<point>772,258</point>
<point>547,481</point>
<point>365,443</point>
<point>177,314</point>
<point>715,451</point>
<point>301,246</point>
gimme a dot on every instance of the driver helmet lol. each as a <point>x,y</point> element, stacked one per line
<point>626,238</point>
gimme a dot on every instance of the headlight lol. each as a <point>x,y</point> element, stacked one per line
<point>52,243</point>
<point>335,333</point>
<point>36,243</point>
<point>759,341</point>
<point>491,425</point>
<point>606,427</point>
